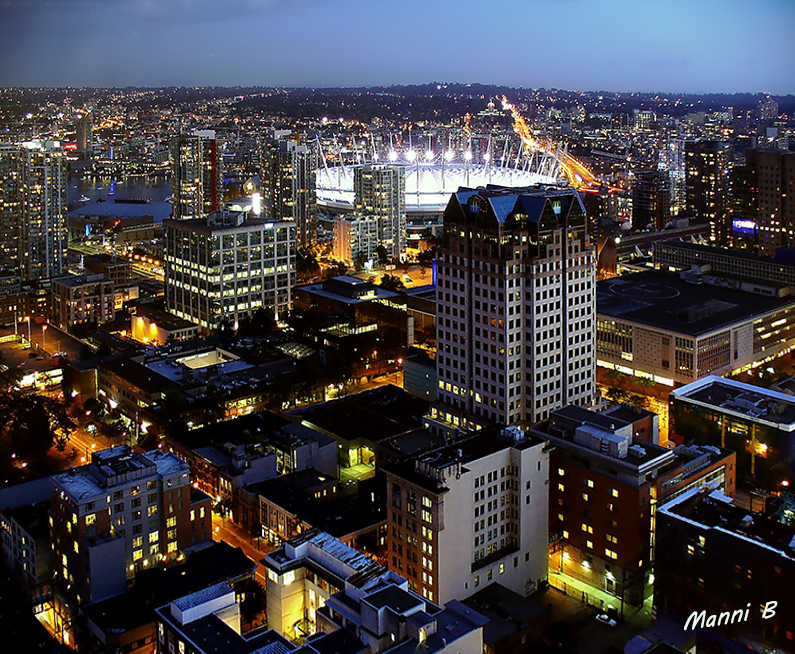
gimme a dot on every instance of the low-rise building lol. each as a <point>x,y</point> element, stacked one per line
<point>291,504</point>
<point>363,422</point>
<point>127,622</point>
<point>226,456</point>
<point>152,326</point>
<point>601,479</point>
<point>757,423</point>
<point>677,330</point>
<point>82,299</point>
<point>469,513</point>
<point>318,584</point>
<point>725,572</point>
<point>122,512</point>
<point>208,622</point>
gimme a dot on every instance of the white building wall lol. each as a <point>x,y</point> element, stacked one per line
<point>462,518</point>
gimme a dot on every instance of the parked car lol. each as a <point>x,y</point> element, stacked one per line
<point>606,619</point>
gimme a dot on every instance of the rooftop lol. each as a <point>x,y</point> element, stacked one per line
<point>716,511</point>
<point>734,253</point>
<point>665,301</point>
<point>163,319</point>
<point>343,561</point>
<point>454,622</point>
<point>372,415</point>
<point>220,221</point>
<point>395,598</point>
<point>219,562</point>
<point>753,402</point>
<point>428,469</point>
<point>74,281</point>
<point>507,611</point>
<point>214,636</point>
<point>294,493</point>
<point>348,289</point>
<point>601,436</point>
<point>33,518</point>
<point>202,596</point>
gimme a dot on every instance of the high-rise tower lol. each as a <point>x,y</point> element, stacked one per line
<point>196,177</point>
<point>516,306</point>
<point>288,182</point>
<point>380,192</point>
<point>774,173</point>
<point>33,209</point>
<point>706,175</point>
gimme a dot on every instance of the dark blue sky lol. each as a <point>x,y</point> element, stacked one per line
<point>617,45</point>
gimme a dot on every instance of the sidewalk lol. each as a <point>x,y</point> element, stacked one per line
<point>639,617</point>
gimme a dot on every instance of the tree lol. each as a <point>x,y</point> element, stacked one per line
<point>358,261</point>
<point>174,409</point>
<point>262,321</point>
<point>10,376</point>
<point>383,255</point>
<point>392,283</point>
<point>306,265</point>
<point>35,423</point>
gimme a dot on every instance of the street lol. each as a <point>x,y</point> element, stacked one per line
<point>226,531</point>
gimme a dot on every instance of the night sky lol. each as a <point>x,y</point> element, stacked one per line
<point>614,45</point>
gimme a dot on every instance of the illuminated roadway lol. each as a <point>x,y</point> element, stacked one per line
<point>578,175</point>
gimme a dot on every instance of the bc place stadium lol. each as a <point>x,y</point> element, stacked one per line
<point>429,183</point>
<point>430,177</point>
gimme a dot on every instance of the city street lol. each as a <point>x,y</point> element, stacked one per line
<point>226,531</point>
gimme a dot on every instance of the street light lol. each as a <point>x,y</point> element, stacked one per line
<point>27,319</point>
<point>43,338</point>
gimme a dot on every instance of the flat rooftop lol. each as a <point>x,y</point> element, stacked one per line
<point>709,251</point>
<point>33,518</point>
<point>752,402</point>
<point>374,415</point>
<point>339,516</point>
<point>214,636</point>
<point>665,301</point>
<point>219,562</point>
<point>418,469</point>
<point>348,290</point>
<point>714,510</point>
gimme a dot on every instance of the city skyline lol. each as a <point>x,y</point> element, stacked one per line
<point>608,45</point>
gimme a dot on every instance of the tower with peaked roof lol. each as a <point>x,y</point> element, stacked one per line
<point>516,306</point>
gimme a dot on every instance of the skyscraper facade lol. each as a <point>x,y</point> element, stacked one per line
<point>516,306</point>
<point>225,266</point>
<point>766,108</point>
<point>85,132</point>
<point>33,209</point>
<point>288,181</point>
<point>774,173</point>
<point>706,176</point>
<point>651,199</point>
<point>380,192</point>
<point>196,174</point>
